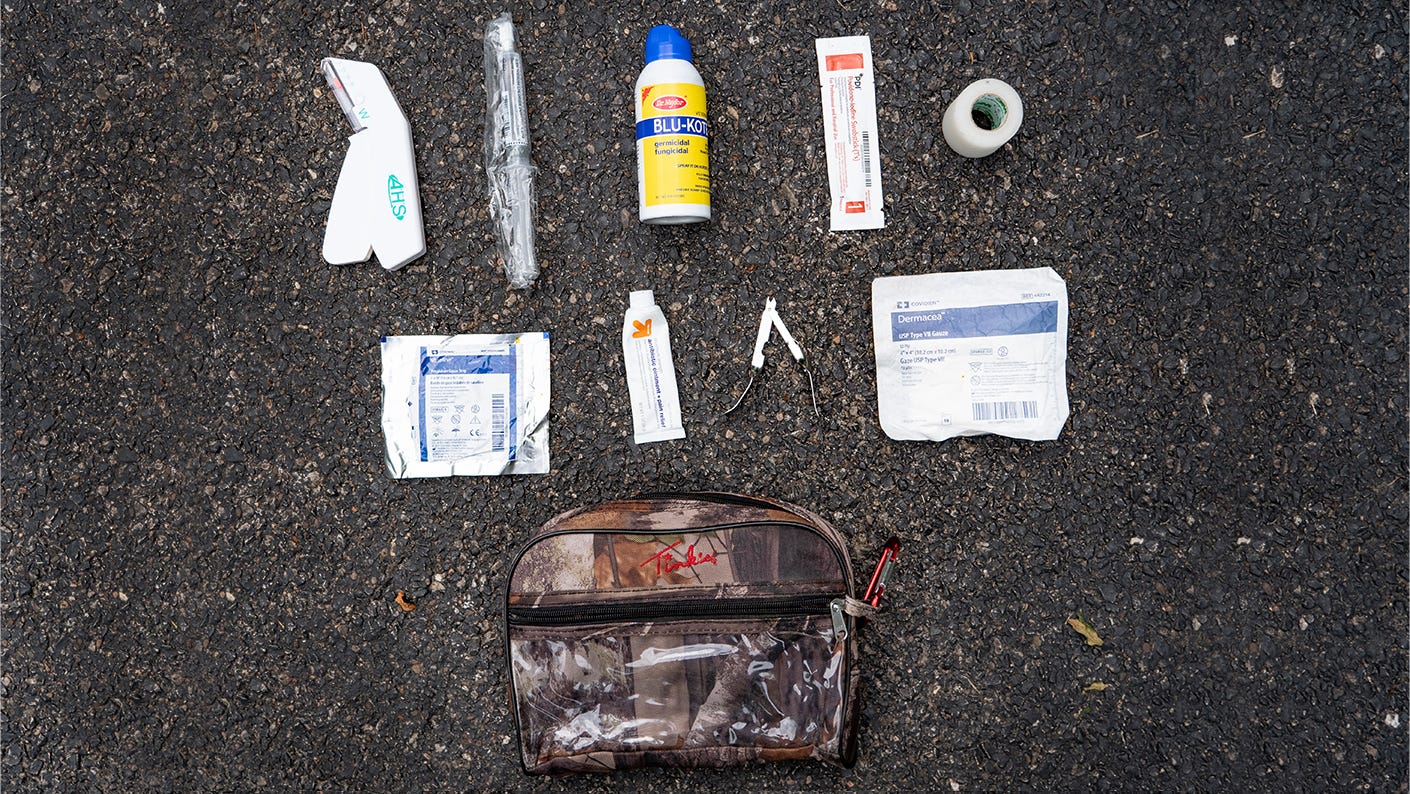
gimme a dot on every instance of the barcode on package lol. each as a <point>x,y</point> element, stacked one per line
<point>866,158</point>
<point>499,420</point>
<point>1014,409</point>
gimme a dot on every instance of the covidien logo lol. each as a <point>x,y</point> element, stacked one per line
<point>396,196</point>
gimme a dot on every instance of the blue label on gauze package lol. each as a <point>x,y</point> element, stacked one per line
<point>963,354</point>
<point>1005,319</point>
<point>465,402</point>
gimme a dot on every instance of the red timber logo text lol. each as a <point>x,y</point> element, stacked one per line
<point>668,102</point>
<point>666,561</point>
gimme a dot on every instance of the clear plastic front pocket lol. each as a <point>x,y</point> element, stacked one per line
<point>775,685</point>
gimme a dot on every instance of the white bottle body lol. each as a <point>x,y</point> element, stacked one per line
<point>683,172</point>
<point>651,372</point>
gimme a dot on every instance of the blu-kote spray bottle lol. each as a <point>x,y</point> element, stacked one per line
<point>672,134</point>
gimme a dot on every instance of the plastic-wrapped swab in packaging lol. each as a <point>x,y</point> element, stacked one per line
<point>508,168</point>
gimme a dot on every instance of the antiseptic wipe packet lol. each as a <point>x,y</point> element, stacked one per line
<point>963,354</point>
<point>465,404</point>
<point>848,81</point>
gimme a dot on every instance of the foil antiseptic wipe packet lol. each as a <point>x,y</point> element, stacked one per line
<point>468,404</point>
<point>964,354</point>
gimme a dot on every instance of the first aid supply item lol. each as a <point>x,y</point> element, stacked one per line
<point>672,133</point>
<point>376,206</point>
<point>963,354</point>
<point>770,321</point>
<point>651,372</point>
<point>508,168</point>
<point>469,404</point>
<point>849,133</point>
<point>982,118</point>
<point>683,630</point>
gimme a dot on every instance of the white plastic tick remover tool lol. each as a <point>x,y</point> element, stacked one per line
<point>768,322</point>
<point>376,206</point>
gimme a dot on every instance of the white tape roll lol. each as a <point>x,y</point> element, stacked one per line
<point>983,117</point>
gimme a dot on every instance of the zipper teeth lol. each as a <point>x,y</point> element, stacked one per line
<point>721,608</point>
<point>717,497</point>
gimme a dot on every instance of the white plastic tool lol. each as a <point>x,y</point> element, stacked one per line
<point>769,321</point>
<point>982,118</point>
<point>376,206</point>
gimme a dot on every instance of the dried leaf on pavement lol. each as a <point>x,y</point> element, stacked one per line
<point>1085,629</point>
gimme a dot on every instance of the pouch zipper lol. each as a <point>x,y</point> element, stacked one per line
<point>685,609</point>
<point>718,497</point>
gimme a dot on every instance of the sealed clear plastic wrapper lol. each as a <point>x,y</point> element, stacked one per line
<point>467,404</point>
<point>508,167</point>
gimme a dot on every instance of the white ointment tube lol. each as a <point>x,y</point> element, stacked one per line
<point>982,118</point>
<point>651,372</point>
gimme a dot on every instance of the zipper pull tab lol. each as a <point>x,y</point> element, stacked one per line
<point>839,619</point>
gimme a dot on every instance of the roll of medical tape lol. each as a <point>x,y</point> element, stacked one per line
<point>983,117</point>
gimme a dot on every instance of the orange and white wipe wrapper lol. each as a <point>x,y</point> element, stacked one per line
<point>849,127</point>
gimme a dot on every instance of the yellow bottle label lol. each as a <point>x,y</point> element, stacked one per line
<point>673,142</point>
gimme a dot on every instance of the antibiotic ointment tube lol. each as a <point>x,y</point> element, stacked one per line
<point>651,373</point>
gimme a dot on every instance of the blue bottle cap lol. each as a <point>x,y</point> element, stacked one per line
<point>664,41</point>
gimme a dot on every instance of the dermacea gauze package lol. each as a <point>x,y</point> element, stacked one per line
<point>964,354</point>
<point>468,404</point>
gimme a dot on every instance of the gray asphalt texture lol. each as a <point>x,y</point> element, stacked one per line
<point>202,549</point>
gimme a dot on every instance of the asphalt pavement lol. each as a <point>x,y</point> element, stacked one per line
<point>203,552</point>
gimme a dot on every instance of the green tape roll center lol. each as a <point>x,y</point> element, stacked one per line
<point>989,112</point>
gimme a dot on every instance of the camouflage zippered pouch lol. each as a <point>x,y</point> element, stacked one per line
<point>683,630</point>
